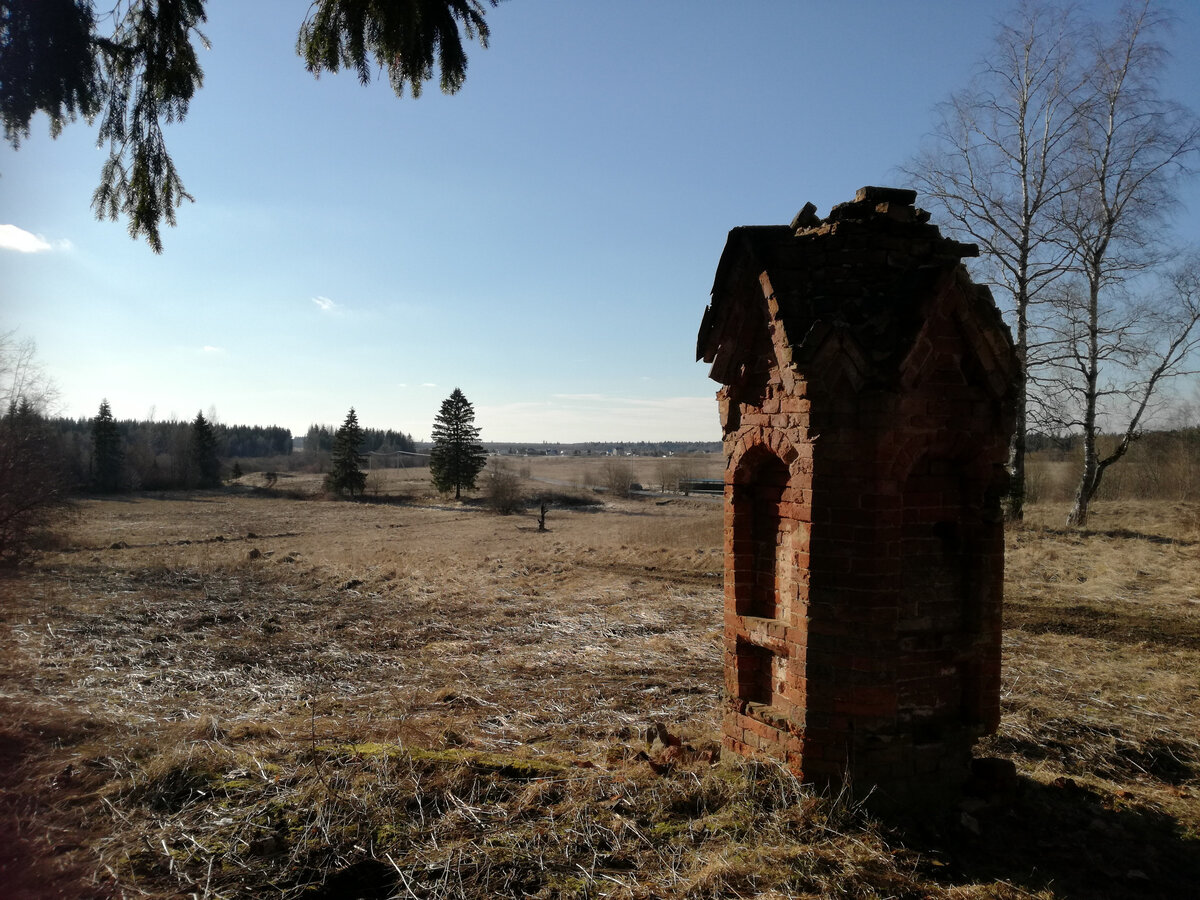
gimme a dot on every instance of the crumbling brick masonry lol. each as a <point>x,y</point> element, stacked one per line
<point>866,410</point>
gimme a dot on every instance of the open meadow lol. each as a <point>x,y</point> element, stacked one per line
<point>260,692</point>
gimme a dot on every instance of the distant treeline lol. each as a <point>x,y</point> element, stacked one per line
<point>603,448</point>
<point>1160,465</point>
<point>319,438</point>
<point>158,455</point>
<point>1149,445</point>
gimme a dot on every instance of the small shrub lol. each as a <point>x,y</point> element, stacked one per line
<point>618,477</point>
<point>503,489</point>
<point>375,482</point>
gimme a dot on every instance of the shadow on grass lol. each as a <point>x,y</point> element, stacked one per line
<point>1122,533</point>
<point>1062,837</point>
<point>42,843</point>
<point>1104,623</point>
<point>132,497</point>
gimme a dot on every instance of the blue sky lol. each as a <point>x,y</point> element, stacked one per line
<point>545,239</point>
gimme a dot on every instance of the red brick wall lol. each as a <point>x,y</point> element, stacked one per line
<point>864,548</point>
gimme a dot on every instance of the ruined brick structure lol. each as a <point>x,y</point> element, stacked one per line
<point>866,410</point>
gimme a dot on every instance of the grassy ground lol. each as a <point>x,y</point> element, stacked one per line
<point>250,694</point>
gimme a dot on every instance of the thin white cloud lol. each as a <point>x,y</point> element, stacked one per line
<point>22,241</point>
<point>428,384</point>
<point>209,348</point>
<point>325,304</point>
<point>596,397</point>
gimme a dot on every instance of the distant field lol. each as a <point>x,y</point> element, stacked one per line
<point>583,472</point>
<point>248,693</point>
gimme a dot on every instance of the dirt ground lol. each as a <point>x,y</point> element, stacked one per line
<point>255,693</point>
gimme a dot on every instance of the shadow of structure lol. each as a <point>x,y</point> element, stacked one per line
<point>1089,620</point>
<point>1063,838</point>
<point>1123,533</point>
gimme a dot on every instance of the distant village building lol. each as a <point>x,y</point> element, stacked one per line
<point>866,406</point>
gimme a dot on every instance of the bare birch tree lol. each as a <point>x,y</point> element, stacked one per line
<point>1118,350</point>
<point>32,481</point>
<point>997,165</point>
<point>1132,147</point>
<point>22,378</point>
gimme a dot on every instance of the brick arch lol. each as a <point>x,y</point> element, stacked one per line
<point>762,440</point>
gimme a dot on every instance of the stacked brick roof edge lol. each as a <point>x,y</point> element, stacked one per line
<point>848,272</point>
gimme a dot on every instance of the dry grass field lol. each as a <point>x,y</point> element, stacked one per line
<point>254,693</point>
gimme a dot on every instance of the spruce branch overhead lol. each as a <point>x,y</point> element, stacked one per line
<point>142,72</point>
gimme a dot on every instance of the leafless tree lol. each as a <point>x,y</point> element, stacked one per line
<point>1118,351</point>
<point>22,377</point>
<point>996,166</point>
<point>32,479</point>
<point>618,477</point>
<point>1131,148</point>
<point>1059,161</point>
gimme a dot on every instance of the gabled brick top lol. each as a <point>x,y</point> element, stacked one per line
<point>863,271</point>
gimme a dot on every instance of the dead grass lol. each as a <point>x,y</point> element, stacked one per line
<point>246,695</point>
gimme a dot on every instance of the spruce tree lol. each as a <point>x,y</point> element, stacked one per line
<point>107,454</point>
<point>204,453</point>
<point>345,473</point>
<point>457,456</point>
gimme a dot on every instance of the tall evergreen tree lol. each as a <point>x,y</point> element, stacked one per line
<point>457,456</point>
<point>204,453</point>
<point>107,455</point>
<point>345,473</point>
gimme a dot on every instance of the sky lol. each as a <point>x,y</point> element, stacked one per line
<point>545,239</point>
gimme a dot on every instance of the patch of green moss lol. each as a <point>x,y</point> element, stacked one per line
<point>568,886</point>
<point>240,784</point>
<point>370,748</point>
<point>734,821</point>
<point>668,830</point>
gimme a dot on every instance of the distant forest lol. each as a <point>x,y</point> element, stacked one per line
<point>319,438</point>
<point>159,455</point>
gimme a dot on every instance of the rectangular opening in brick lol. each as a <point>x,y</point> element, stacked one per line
<point>755,668</point>
<point>758,535</point>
